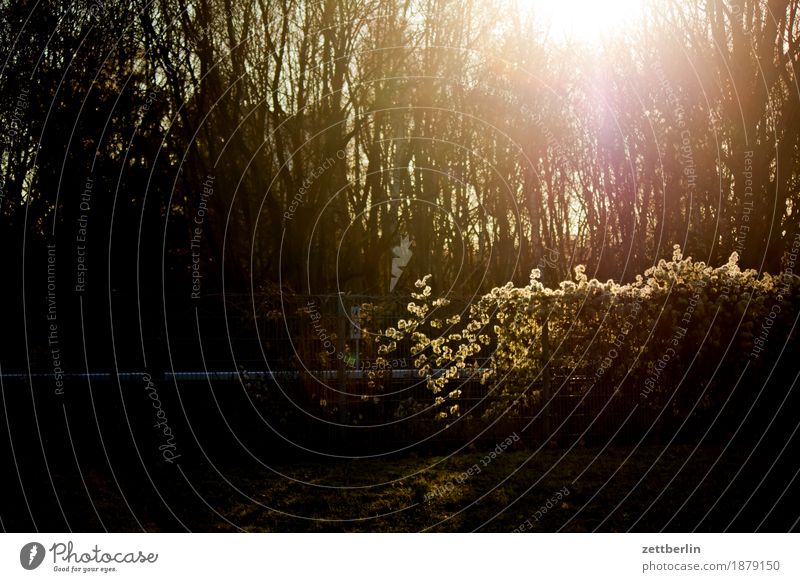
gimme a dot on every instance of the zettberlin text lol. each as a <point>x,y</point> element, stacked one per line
<point>684,549</point>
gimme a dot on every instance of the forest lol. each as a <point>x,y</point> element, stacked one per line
<point>277,198</point>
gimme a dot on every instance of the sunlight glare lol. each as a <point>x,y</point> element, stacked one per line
<point>585,21</point>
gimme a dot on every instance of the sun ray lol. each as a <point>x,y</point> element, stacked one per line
<point>585,21</point>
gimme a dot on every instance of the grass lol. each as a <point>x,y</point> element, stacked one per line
<point>613,490</point>
<point>619,490</point>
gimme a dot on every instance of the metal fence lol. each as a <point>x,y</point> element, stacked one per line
<point>318,351</point>
<point>311,371</point>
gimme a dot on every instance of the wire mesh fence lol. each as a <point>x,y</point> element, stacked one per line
<point>311,371</point>
<point>321,353</point>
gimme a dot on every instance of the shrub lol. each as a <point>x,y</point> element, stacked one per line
<point>676,335</point>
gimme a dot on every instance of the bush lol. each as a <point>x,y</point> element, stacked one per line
<point>676,338</point>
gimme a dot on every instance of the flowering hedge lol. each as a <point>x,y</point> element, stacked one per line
<point>679,335</point>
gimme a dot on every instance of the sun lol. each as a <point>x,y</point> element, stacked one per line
<point>586,21</point>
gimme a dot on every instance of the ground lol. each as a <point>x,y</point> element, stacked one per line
<point>613,489</point>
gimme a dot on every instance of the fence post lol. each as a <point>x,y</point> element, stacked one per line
<point>340,350</point>
<point>546,376</point>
